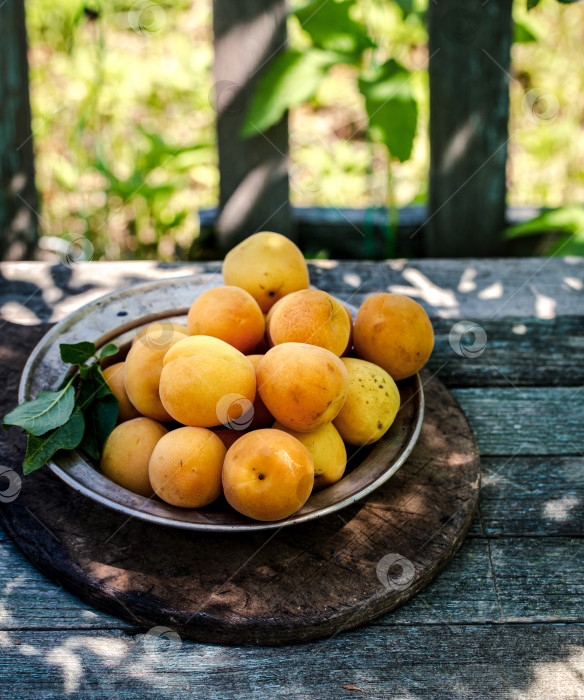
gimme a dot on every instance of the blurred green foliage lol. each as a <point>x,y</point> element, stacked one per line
<point>124,126</point>
<point>336,38</point>
<point>562,230</point>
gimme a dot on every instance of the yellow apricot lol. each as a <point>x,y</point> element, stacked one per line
<point>267,475</point>
<point>371,406</point>
<point>185,467</point>
<point>230,314</point>
<point>303,386</point>
<point>268,266</point>
<point>126,454</point>
<point>206,382</point>
<point>327,450</point>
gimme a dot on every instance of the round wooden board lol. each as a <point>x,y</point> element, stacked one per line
<point>302,582</point>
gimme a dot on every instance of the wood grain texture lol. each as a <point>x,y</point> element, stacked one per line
<point>253,172</point>
<point>536,421</point>
<point>294,584</point>
<point>18,196</point>
<point>522,559</point>
<point>469,65</point>
<point>362,234</point>
<point>535,496</point>
<point>473,289</point>
<point>508,580</point>
<point>518,352</point>
<point>491,662</point>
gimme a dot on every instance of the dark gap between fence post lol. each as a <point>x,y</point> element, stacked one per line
<point>253,190</point>
<point>18,196</point>
<point>469,46</point>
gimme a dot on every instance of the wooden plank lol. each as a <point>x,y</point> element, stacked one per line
<point>253,173</point>
<point>542,288</point>
<point>538,579</point>
<point>362,234</point>
<point>18,197</point>
<point>528,579</point>
<point>29,600</point>
<point>462,593</point>
<point>531,497</point>
<point>494,662</point>
<point>469,69</point>
<point>526,421</point>
<point>522,351</point>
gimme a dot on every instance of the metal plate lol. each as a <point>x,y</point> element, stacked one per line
<point>115,318</point>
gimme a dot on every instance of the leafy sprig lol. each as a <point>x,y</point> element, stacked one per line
<point>81,413</point>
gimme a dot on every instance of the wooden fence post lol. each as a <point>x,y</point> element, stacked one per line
<point>18,197</point>
<point>469,45</point>
<point>253,190</point>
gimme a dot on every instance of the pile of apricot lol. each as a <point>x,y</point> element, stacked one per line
<point>258,395</point>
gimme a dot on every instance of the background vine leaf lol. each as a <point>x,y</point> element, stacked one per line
<point>331,27</point>
<point>289,80</point>
<point>391,108</point>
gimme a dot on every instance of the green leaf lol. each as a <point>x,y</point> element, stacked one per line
<point>391,108</point>
<point>331,27</point>
<point>41,448</point>
<point>406,6</point>
<point>100,419</point>
<point>108,350</point>
<point>532,3</point>
<point>94,387</point>
<point>522,34</point>
<point>290,79</point>
<point>569,219</point>
<point>48,411</point>
<point>77,353</point>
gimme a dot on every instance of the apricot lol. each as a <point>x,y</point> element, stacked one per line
<point>394,332</point>
<point>260,417</point>
<point>230,314</point>
<point>310,316</point>
<point>371,406</point>
<point>206,382</point>
<point>114,376</point>
<point>143,368</point>
<point>268,266</point>
<point>160,330</point>
<point>185,467</point>
<point>327,450</point>
<point>303,386</point>
<point>126,454</point>
<point>349,347</point>
<point>267,475</point>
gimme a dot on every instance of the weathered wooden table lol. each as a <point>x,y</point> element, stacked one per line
<point>505,619</point>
